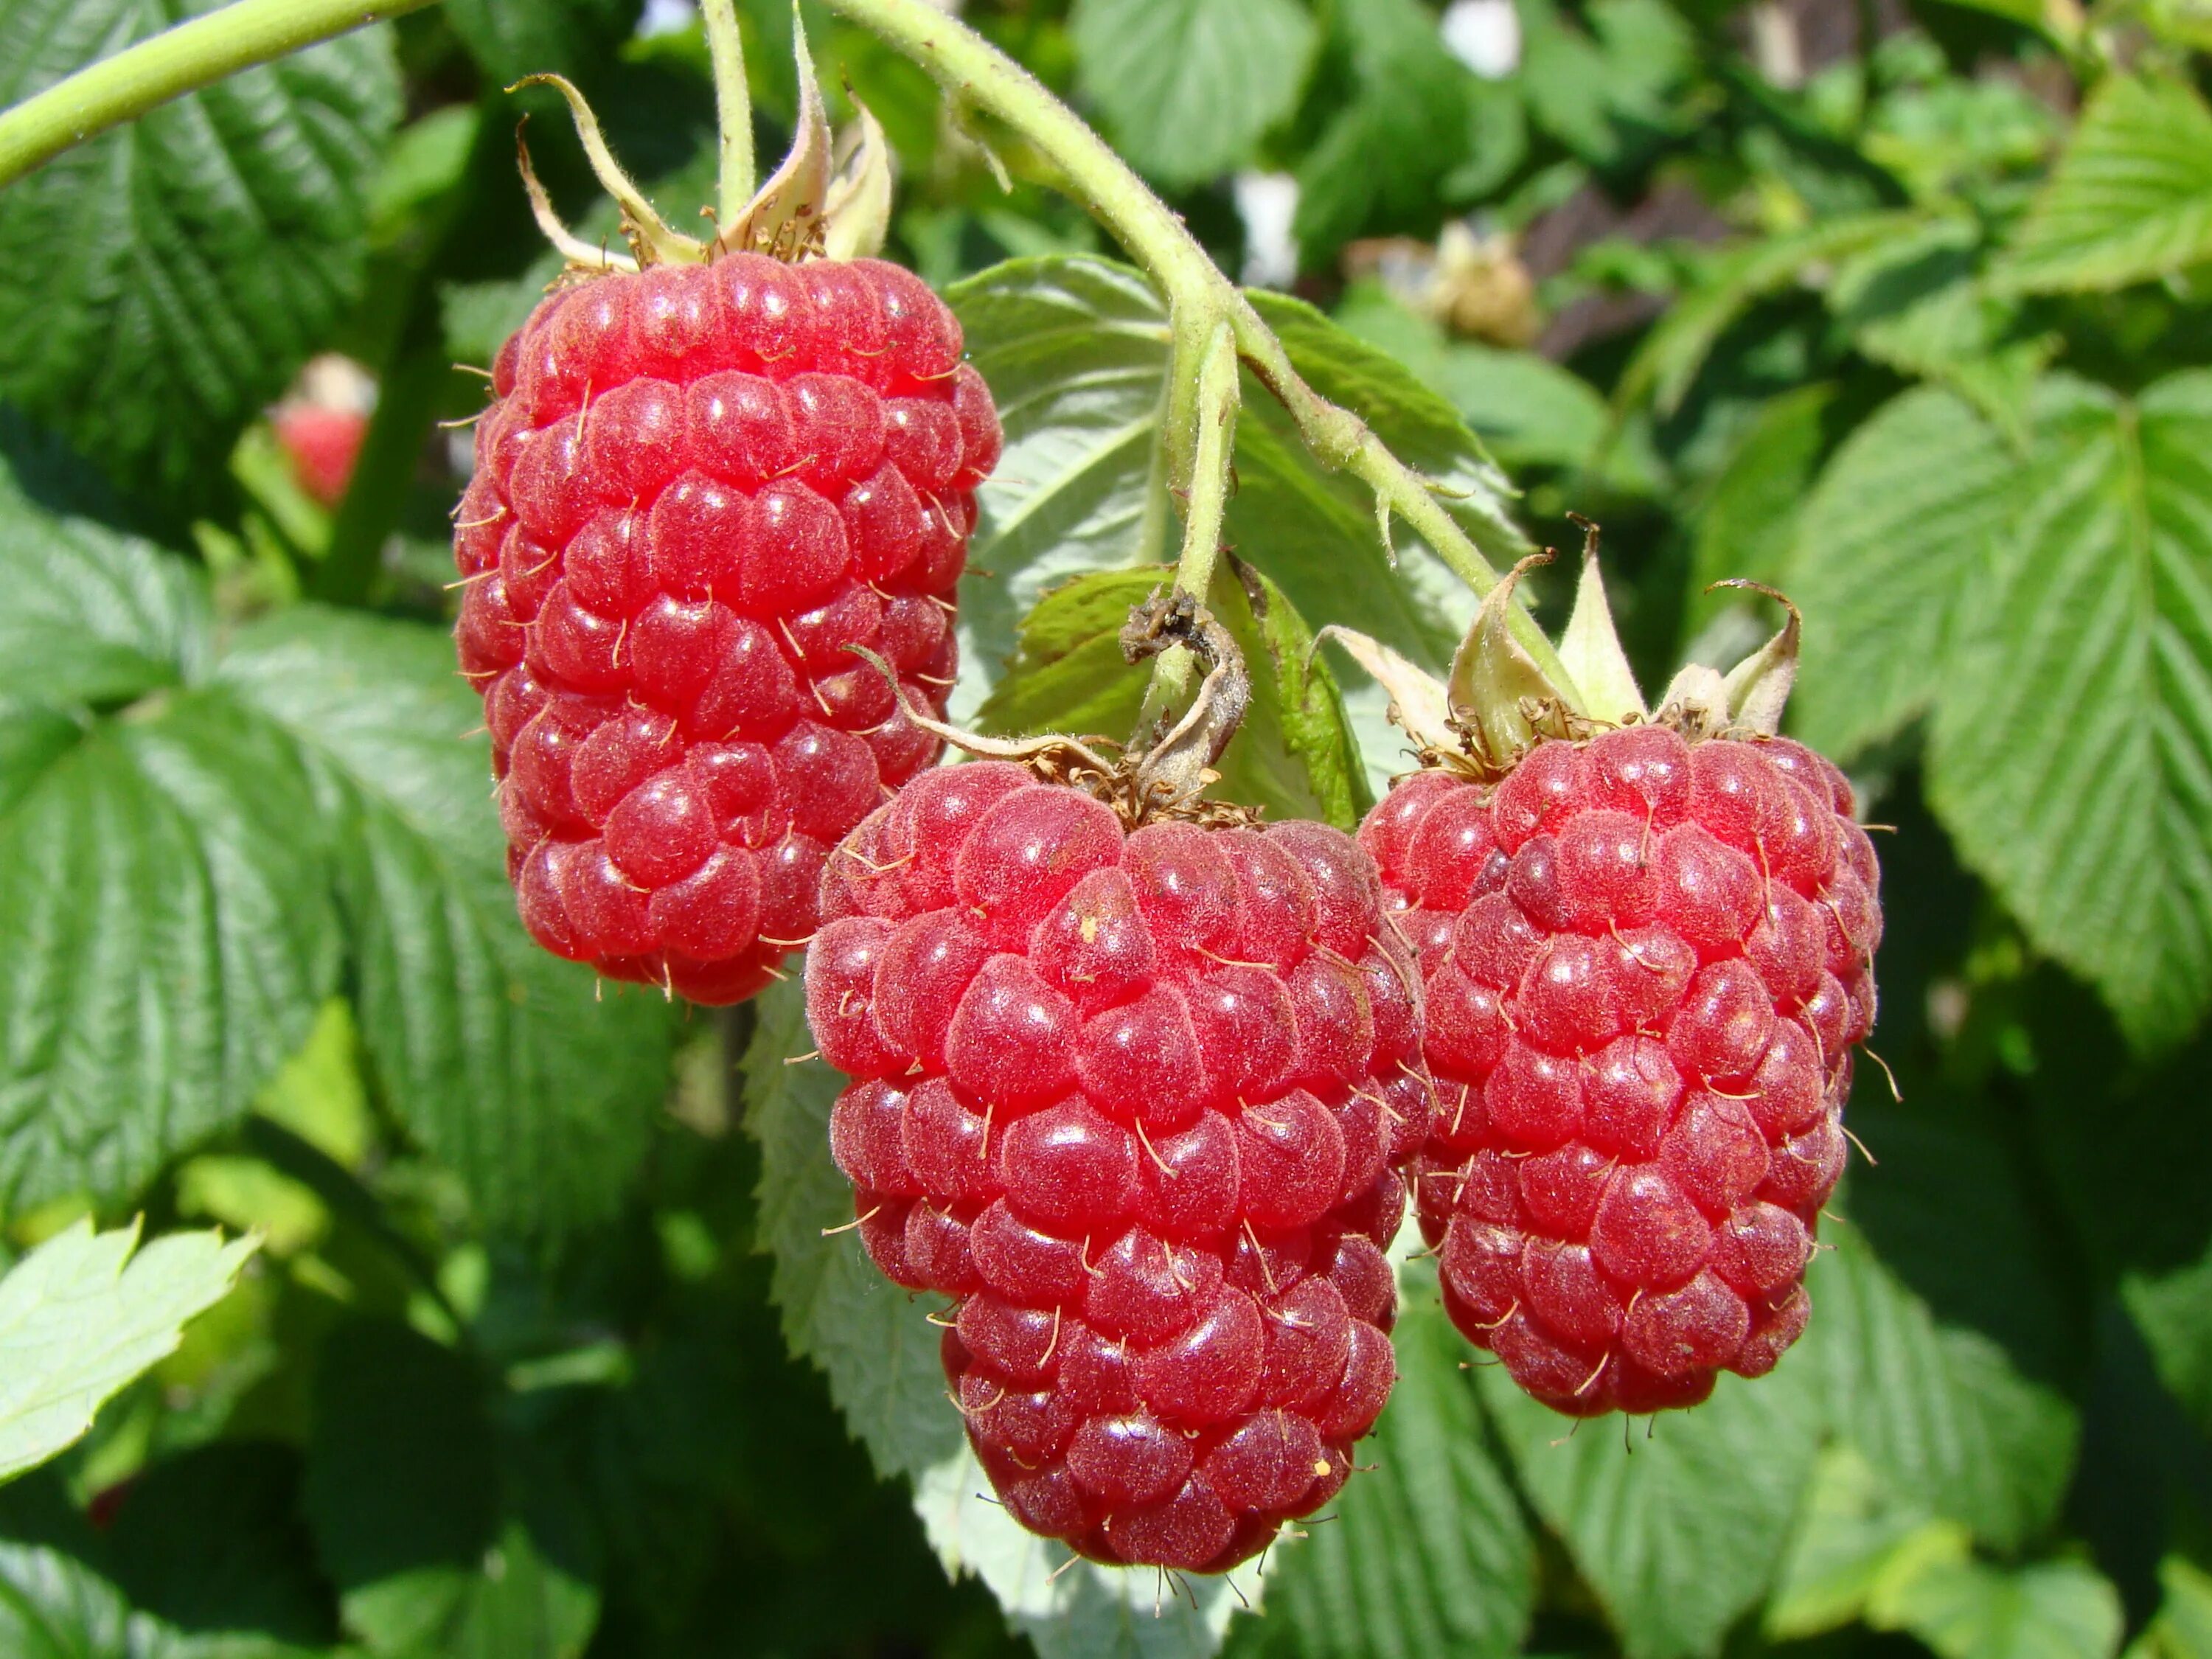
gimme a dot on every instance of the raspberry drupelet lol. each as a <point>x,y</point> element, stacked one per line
<point>697,486</point>
<point>1132,1088</point>
<point>1647,962</point>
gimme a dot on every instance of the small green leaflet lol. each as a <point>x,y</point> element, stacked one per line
<point>1968,1609</point>
<point>2131,199</point>
<point>81,1316</point>
<point>1188,86</point>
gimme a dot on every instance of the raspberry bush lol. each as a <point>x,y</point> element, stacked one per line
<point>576,1318</point>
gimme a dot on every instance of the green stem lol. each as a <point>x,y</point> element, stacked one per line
<point>1209,365</point>
<point>1198,295</point>
<point>733,110</point>
<point>175,61</point>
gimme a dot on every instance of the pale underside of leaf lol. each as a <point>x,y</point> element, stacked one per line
<point>82,1315</point>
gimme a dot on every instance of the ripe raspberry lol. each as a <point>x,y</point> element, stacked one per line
<point>696,486</point>
<point>1647,962</point>
<point>1135,1101</point>
<point>322,444</point>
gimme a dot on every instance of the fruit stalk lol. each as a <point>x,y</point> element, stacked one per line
<point>1198,294</point>
<point>733,110</point>
<point>171,63</point>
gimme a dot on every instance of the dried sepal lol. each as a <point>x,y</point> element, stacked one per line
<point>785,218</point>
<point>1502,702</point>
<point>1163,778</point>
<point>1591,649</point>
<point>1757,689</point>
<point>1177,765</point>
<point>580,254</point>
<point>856,216</point>
<point>651,239</point>
<point>1418,706</point>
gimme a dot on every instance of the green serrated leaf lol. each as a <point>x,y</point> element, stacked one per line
<point>1902,516</point>
<point>440,1539</point>
<point>2071,753</point>
<point>510,1067</point>
<point>1188,86</point>
<point>1667,363</point>
<point>1938,1411</point>
<point>1680,1532</point>
<point>189,261</point>
<point>1603,94</point>
<point>2131,197</point>
<point>167,935</point>
<point>1294,755</point>
<point>1969,1609</point>
<point>52,1606</point>
<point>1851,1534</point>
<point>81,1316</point>
<point>1428,1553</point>
<point>93,615</point>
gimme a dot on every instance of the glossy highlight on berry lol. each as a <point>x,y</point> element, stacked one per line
<point>1134,1101</point>
<point>697,487</point>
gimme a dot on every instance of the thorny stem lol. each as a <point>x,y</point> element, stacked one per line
<point>1198,296</point>
<point>733,111</point>
<point>169,64</point>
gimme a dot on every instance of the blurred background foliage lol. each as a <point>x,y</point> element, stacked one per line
<point>1902,306</point>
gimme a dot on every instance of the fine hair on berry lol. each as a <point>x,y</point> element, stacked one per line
<point>1648,962</point>
<point>1134,1101</point>
<point>697,487</point>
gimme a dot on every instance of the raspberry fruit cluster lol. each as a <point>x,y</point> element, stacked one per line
<point>697,485</point>
<point>1647,962</point>
<point>1135,1100</point>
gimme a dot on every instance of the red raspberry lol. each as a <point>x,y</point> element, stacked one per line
<point>322,444</point>
<point>1647,963</point>
<point>1134,1101</point>
<point>696,487</point>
